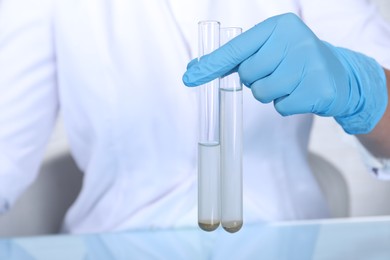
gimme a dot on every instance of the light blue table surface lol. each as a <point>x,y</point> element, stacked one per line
<point>333,239</point>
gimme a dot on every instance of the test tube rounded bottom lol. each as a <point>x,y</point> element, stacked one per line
<point>210,226</point>
<point>209,186</point>
<point>232,226</point>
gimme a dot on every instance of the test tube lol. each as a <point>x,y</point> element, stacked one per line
<point>231,144</point>
<point>209,216</point>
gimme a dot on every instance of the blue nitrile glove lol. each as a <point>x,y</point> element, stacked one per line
<point>283,61</point>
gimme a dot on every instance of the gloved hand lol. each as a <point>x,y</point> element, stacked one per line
<point>282,60</point>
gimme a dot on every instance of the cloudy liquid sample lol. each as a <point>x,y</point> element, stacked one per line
<point>209,186</point>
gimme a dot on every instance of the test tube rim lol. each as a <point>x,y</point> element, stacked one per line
<point>209,22</point>
<point>237,31</point>
<point>231,27</point>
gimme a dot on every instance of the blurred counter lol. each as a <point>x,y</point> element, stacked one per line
<point>363,238</point>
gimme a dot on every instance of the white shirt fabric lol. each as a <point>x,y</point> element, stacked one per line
<point>113,70</point>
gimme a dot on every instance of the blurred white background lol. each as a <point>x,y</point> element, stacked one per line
<point>60,178</point>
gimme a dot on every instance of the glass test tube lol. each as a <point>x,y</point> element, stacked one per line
<point>231,144</point>
<point>208,146</point>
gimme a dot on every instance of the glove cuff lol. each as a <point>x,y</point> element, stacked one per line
<point>368,79</point>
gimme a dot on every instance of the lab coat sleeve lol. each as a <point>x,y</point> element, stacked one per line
<point>354,24</point>
<point>28,95</point>
<point>379,167</point>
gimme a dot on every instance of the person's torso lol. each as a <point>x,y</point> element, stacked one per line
<point>133,126</point>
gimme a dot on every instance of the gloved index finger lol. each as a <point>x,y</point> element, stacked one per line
<point>227,57</point>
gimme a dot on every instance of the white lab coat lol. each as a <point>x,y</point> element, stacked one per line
<point>113,70</point>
